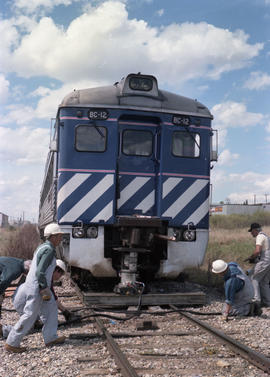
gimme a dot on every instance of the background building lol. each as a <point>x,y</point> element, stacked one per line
<point>240,209</point>
<point>3,220</point>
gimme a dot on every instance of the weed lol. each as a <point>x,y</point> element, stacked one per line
<point>20,242</point>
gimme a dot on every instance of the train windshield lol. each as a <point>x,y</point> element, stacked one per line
<point>90,138</point>
<point>137,143</point>
<point>185,144</point>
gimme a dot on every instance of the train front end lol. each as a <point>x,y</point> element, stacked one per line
<point>133,182</point>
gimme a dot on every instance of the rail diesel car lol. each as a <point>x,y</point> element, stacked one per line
<point>128,180</point>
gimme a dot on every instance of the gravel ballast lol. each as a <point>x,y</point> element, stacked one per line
<point>194,354</point>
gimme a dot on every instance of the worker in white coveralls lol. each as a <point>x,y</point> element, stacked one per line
<point>260,274</point>
<point>238,288</point>
<point>11,269</point>
<point>39,297</point>
<point>19,300</point>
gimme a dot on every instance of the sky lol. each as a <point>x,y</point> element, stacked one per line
<point>215,51</point>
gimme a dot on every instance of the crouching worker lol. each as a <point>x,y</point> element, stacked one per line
<point>39,297</point>
<point>59,271</point>
<point>11,269</point>
<point>238,289</point>
<point>19,300</point>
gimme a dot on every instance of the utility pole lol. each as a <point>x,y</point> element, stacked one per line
<point>266,198</point>
<point>254,198</point>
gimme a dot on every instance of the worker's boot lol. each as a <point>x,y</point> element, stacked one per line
<point>257,309</point>
<point>13,349</point>
<point>251,310</point>
<point>59,340</point>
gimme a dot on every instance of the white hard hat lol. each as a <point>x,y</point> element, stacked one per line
<point>219,266</point>
<point>61,264</point>
<point>52,229</point>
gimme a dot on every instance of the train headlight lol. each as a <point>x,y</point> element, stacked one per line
<point>189,235</point>
<point>92,232</point>
<point>142,83</point>
<point>78,232</point>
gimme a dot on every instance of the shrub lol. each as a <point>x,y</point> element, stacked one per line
<point>236,221</point>
<point>21,242</point>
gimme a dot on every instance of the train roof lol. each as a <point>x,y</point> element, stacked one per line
<point>136,91</point>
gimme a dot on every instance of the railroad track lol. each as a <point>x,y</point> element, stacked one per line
<point>125,363</point>
<point>126,343</point>
<point>253,357</point>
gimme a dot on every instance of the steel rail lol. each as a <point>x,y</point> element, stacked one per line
<point>122,362</point>
<point>254,357</point>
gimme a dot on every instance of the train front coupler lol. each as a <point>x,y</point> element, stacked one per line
<point>128,273</point>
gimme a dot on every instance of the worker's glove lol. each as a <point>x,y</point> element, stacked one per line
<point>252,259</point>
<point>67,314</point>
<point>46,294</point>
<point>38,325</point>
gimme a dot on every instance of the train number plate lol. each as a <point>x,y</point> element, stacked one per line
<point>98,114</point>
<point>180,120</point>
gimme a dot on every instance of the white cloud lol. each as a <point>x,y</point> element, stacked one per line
<point>4,89</point>
<point>98,45</point>
<point>257,81</point>
<point>24,145</point>
<point>227,158</point>
<point>47,105</point>
<point>241,186</point>
<point>18,114</point>
<point>51,98</point>
<point>14,194</point>
<point>24,151</point>
<point>234,114</point>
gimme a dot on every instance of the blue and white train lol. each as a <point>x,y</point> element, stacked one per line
<point>128,180</point>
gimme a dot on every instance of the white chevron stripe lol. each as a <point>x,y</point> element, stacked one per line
<point>81,206</point>
<point>169,185</point>
<point>105,214</point>
<point>131,189</point>
<point>185,198</point>
<point>147,203</point>
<point>199,213</point>
<point>74,182</point>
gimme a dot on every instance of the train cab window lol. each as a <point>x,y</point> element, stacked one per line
<point>90,138</point>
<point>185,144</point>
<point>137,143</point>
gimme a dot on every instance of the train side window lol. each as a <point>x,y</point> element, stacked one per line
<point>48,182</point>
<point>90,138</point>
<point>185,144</point>
<point>137,143</point>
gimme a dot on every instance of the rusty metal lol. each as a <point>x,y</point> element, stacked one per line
<point>141,221</point>
<point>122,362</point>
<point>164,237</point>
<point>254,357</point>
<point>106,299</point>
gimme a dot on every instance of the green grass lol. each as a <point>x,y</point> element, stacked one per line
<point>229,240</point>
